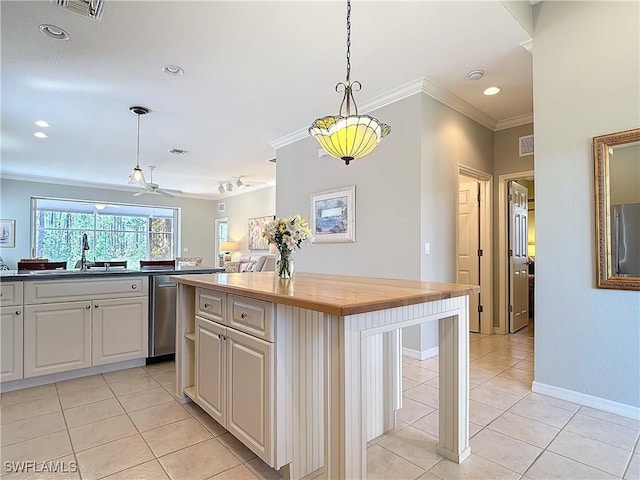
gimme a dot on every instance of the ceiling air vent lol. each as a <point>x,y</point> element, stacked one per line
<point>87,8</point>
<point>526,145</point>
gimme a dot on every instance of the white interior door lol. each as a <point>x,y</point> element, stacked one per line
<point>518,260</point>
<point>469,245</point>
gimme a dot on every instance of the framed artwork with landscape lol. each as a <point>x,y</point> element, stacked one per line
<point>7,233</point>
<point>333,215</point>
<point>256,240</point>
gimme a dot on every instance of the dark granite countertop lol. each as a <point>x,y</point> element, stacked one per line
<point>9,275</point>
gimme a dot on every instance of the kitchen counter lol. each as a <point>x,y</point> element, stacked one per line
<point>334,294</point>
<point>323,355</point>
<point>12,275</point>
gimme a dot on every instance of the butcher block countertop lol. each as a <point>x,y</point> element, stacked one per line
<point>340,295</point>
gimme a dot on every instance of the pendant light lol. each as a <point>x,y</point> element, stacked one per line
<point>351,136</point>
<point>137,177</point>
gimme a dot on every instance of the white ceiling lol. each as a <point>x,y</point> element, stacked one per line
<point>254,72</point>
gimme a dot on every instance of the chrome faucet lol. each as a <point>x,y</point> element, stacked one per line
<point>85,248</point>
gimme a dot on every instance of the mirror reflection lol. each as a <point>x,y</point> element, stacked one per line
<point>624,198</point>
<point>617,182</point>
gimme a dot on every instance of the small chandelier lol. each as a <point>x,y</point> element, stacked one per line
<point>351,136</point>
<point>137,177</point>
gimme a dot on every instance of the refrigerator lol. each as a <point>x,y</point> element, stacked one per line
<point>625,240</point>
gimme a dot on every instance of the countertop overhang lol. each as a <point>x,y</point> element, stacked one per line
<point>8,275</point>
<point>340,295</point>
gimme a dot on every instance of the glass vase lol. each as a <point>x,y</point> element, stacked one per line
<point>285,265</point>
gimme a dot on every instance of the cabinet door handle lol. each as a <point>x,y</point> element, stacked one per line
<point>96,306</point>
<point>243,315</point>
<point>18,312</point>
<point>134,286</point>
<point>88,307</point>
<point>206,305</point>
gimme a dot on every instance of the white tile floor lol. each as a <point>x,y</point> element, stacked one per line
<point>126,425</point>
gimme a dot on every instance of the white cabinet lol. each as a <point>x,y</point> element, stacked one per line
<point>250,392</point>
<point>11,318</point>
<point>234,370</point>
<point>11,343</point>
<point>211,369</point>
<point>11,293</point>
<point>72,324</point>
<point>119,329</point>
<point>57,337</point>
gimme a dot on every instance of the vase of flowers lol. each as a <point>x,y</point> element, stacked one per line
<point>288,235</point>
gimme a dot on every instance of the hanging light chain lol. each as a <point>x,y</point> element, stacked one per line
<point>348,41</point>
<point>138,149</point>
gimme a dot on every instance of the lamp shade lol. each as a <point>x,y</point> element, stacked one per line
<point>348,137</point>
<point>137,177</point>
<point>228,246</point>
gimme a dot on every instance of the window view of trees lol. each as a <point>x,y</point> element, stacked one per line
<point>127,236</point>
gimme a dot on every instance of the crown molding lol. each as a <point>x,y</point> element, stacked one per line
<point>124,188</point>
<point>514,121</point>
<point>67,182</point>
<point>421,85</point>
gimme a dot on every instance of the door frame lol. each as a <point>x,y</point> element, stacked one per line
<point>216,240</point>
<point>486,242</point>
<point>503,271</point>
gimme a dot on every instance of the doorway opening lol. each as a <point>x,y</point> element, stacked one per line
<point>474,247</point>
<point>516,252</point>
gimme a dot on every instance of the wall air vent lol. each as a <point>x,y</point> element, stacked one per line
<point>87,8</point>
<point>526,145</point>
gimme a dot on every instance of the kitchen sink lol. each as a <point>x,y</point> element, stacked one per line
<point>91,271</point>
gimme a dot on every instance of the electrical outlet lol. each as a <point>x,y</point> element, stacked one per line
<point>185,249</point>
<point>427,248</point>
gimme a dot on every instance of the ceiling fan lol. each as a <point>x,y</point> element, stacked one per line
<point>154,188</point>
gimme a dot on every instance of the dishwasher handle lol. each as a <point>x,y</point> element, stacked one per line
<point>167,285</point>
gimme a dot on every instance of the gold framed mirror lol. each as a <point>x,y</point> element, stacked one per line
<point>617,189</point>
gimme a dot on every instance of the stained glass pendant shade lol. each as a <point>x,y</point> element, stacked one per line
<point>351,136</point>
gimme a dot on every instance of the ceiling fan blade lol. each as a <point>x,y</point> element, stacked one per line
<point>164,192</point>
<point>137,194</point>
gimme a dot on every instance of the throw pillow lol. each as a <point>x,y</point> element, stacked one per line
<point>231,267</point>
<point>251,267</point>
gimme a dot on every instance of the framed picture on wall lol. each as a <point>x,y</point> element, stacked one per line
<point>256,240</point>
<point>333,215</point>
<point>7,233</point>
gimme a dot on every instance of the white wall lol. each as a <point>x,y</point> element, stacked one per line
<point>586,76</point>
<point>406,195</point>
<point>196,215</point>
<point>387,199</point>
<point>238,209</point>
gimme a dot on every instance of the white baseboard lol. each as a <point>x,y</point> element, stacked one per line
<point>587,400</point>
<point>59,377</point>
<point>420,355</point>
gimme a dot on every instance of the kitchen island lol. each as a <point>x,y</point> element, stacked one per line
<point>305,371</point>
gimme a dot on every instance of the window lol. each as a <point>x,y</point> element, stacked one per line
<point>115,231</point>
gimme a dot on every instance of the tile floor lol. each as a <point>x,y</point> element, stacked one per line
<point>126,425</point>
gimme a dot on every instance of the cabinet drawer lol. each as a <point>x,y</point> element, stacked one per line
<point>10,293</point>
<point>53,291</point>
<point>251,316</point>
<point>211,305</point>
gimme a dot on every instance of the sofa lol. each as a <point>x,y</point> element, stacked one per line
<point>251,263</point>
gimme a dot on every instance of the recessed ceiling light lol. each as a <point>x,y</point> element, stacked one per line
<point>178,151</point>
<point>43,124</point>
<point>40,135</point>
<point>54,32</point>
<point>492,90</point>
<point>475,74</point>
<point>173,70</point>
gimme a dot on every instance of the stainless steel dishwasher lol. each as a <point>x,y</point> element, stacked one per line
<point>162,318</point>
